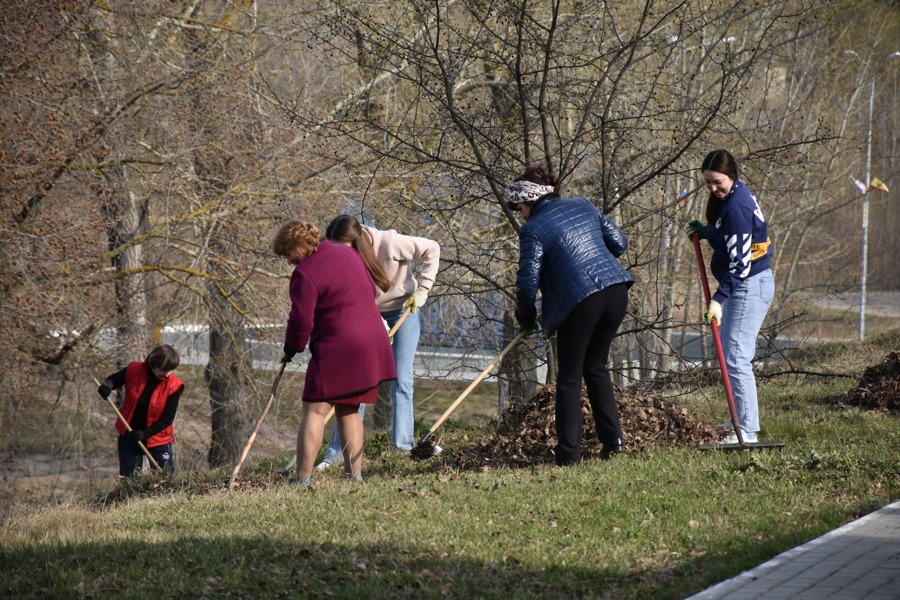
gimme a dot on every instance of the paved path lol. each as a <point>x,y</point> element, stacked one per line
<point>860,560</point>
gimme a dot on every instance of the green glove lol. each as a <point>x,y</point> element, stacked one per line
<point>696,228</point>
<point>528,329</point>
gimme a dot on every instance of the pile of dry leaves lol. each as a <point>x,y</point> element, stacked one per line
<point>878,390</point>
<point>526,432</point>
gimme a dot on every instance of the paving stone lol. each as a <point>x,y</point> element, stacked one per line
<point>858,561</point>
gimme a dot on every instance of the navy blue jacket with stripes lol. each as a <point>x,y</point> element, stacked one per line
<point>739,226</point>
<point>568,250</point>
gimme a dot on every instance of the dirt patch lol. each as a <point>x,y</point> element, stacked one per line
<point>526,432</point>
<point>878,390</point>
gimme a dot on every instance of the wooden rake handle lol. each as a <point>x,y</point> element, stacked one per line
<point>259,422</point>
<point>472,385</point>
<point>128,427</point>
<point>399,322</point>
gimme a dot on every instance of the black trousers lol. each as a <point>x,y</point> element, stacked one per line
<point>583,342</point>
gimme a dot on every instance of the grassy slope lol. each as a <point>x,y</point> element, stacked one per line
<point>661,524</point>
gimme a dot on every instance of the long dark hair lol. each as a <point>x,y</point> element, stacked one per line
<point>345,229</point>
<point>720,161</point>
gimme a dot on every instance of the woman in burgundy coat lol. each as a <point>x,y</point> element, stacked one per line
<point>333,310</point>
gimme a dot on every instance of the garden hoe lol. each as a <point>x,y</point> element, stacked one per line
<point>290,466</point>
<point>741,445</point>
<point>425,448</point>
<point>128,427</point>
<point>246,451</point>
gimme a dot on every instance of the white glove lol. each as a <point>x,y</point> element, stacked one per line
<point>714,312</point>
<point>388,329</point>
<point>417,300</point>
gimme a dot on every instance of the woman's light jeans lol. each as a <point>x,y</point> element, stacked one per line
<point>406,340</point>
<point>742,317</point>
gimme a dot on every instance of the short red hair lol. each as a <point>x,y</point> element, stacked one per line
<point>297,236</point>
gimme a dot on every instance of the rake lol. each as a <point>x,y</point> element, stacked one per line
<point>237,467</point>
<point>128,427</point>
<point>425,448</point>
<point>720,355</point>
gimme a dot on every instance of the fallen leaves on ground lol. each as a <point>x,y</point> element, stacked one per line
<point>526,432</point>
<point>878,390</point>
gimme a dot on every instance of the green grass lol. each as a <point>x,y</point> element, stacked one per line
<point>660,524</point>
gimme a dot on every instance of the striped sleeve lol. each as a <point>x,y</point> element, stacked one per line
<point>737,229</point>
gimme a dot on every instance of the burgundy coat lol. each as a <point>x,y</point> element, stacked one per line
<point>333,309</point>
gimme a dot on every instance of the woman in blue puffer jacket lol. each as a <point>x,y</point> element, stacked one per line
<point>568,251</point>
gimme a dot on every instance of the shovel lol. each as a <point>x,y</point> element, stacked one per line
<point>246,451</point>
<point>290,466</point>
<point>128,427</point>
<point>725,380</point>
<point>425,448</point>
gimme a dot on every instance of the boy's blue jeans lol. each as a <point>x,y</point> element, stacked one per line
<point>131,457</point>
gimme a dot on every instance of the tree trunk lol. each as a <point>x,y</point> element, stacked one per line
<point>518,369</point>
<point>125,220</point>
<point>226,377</point>
<point>230,365</point>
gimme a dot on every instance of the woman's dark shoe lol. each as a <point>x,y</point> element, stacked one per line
<point>610,450</point>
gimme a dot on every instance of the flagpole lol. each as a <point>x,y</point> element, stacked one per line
<point>864,267</point>
<point>864,262</point>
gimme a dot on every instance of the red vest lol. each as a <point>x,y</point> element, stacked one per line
<point>136,374</point>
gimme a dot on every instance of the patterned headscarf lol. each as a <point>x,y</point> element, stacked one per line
<point>526,191</point>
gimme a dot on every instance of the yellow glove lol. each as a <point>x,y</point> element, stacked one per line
<point>417,300</point>
<point>714,312</point>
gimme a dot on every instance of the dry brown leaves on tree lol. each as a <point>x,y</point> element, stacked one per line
<point>526,432</point>
<point>878,390</point>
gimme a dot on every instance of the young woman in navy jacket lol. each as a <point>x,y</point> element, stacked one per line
<point>742,264</point>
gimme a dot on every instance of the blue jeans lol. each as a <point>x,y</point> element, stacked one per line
<point>742,317</point>
<point>406,340</point>
<point>131,457</point>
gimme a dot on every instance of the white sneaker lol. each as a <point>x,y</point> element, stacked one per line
<point>749,437</point>
<point>327,464</point>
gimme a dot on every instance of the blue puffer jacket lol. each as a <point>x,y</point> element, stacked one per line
<point>568,249</point>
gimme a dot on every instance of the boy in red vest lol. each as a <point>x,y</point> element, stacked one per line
<point>151,400</point>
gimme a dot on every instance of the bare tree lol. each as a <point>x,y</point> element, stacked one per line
<point>451,99</point>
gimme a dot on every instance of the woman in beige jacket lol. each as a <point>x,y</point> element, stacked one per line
<point>394,256</point>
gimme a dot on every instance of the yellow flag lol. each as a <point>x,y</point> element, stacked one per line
<point>878,184</point>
